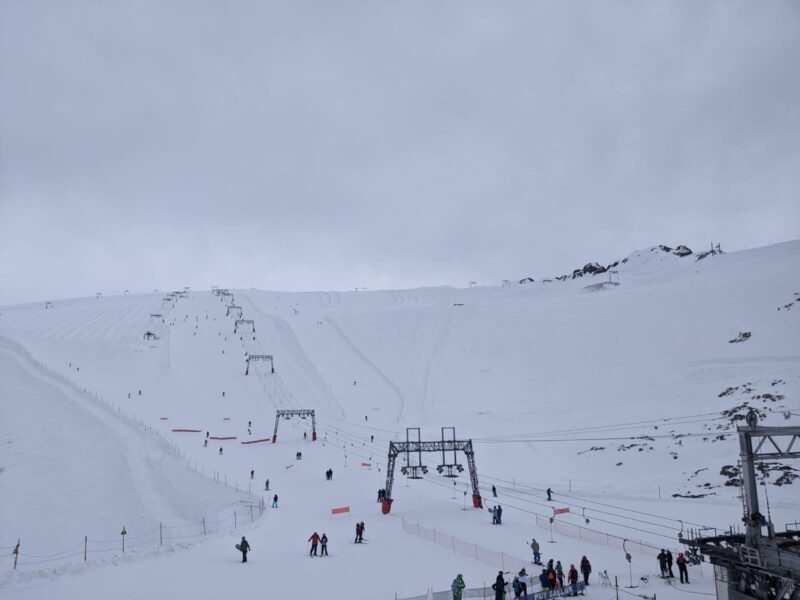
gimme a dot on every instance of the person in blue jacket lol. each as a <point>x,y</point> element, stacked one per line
<point>544,581</point>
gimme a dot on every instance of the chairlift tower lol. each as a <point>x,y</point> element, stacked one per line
<point>303,413</point>
<point>234,310</point>
<point>156,317</point>
<point>256,357</point>
<point>759,563</point>
<point>244,322</point>
<point>415,448</point>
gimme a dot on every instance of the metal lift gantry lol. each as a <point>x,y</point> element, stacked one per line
<point>236,310</point>
<point>759,563</point>
<point>288,414</point>
<point>239,322</point>
<point>255,357</point>
<point>417,447</point>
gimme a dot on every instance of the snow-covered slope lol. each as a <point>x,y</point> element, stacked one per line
<point>613,394</point>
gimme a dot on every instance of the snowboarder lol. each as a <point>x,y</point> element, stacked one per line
<point>499,586</point>
<point>586,568</point>
<point>244,548</point>
<point>549,495</point>
<point>669,563</point>
<point>537,557</point>
<point>323,545</point>
<point>494,491</point>
<point>266,485</point>
<point>682,570</point>
<point>252,474</point>
<point>572,577</point>
<point>314,539</point>
<point>457,587</point>
<point>275,501</point>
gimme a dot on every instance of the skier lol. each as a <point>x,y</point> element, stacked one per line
<point>662,563</point>
<point>494,515</point>
<point>560,575</point>
<point>358,533</point>
<point>537,557</point>
<point>669,563</point>
<point>499,514</point>
<point>371,439</point>
<point>305,435</point>
<point>682,570</point>
<point>244,547</point>
<point>494,491</point>
<point>140,392</point>
<point>457,587</point>
<point>205,443</point>
<point>549,495</point>
<point>586,568</point>
<point>572,577</point>
<point>314,539</point>
<point>499,586</point>
<point>220,450</point>
<point>266,485</point>
<point>275,501</point>
<point>249,423</point>
<point>323,545</point>
<point>252,474</point>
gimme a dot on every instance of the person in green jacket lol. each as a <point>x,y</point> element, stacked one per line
<point>458,587</point>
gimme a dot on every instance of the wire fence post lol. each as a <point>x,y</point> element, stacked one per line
<point>251,513</point>
<point>234,520</point>
<point>16,554</point>
<point>160,533</point>
<point>85,546</point>
<point>204,525</point>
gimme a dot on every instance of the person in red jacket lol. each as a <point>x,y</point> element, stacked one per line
<point>314,539</point>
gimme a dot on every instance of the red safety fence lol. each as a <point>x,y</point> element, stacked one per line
<point>257,441</point>
<point>560,511</point>
<point>187,430</point>
<point>224,437</point>
<point>367,465</point>
<point>339,511</point>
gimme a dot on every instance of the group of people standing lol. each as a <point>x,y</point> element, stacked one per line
<point>329,475</point>
<point>664,559</point>
<point>552,576</point>
<point>381,495</point>
<point>497,515</point>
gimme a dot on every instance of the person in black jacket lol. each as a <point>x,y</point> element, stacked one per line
<point>323,541</point>
<point>244,546</point>
<point>684,572</point>
<point>499,586</point>
<point>669,563</point>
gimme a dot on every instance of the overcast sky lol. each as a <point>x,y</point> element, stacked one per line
<point>304,145</point>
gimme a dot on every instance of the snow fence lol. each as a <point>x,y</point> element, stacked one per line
<point>598,537</point>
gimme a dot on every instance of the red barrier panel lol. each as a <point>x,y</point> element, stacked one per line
<point>560,511</point>
<point>367,465</point>
<point>257,441</point>
<point>339,511</point>
<point>224,437</point>
<point>187,430</point>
